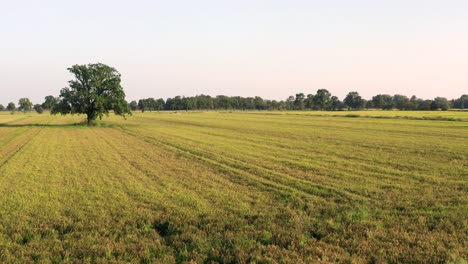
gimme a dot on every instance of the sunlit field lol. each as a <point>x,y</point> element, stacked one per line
<point>234,187</point>
<point>453,115</point>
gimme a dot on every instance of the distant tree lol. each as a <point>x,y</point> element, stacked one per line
<point>383,101</point>
<point>250,103</point>
<point>205,102</point>
<point>424,105</point>
<point>2,108</point>
<point>178,103</point>
<point>237,102</point>
<point>461,103</point>
<point>335,103</point>
<point>95,91</point>
<point>11,107</point>
<point>224,102</point>
<point>133,105</point>
<point>290,103</point>
<point>169,103</point>
<point>151,104</point>
<point>322,99</point>
<point>160,104</point>
<point>142,105</point>
<point>259,103</point>
<point>186,104</point>
<point>299,101</point>
<point>309,101</point>
<point>25,105</point>
<point>38,108</point>
<point>275,105</point>
<point>388,102</point>
<point>401,102</point>
<point>354,101</point>
<point>413,103</point>
<point>49,102</point>
<point>440,103</point>
<point>369,104</point>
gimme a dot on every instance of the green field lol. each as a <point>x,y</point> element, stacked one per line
<point>261,187</point>
<point>455,115</point>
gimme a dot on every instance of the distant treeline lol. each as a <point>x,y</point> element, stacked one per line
<point>322,100</point>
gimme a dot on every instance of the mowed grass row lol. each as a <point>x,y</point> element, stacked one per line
<point>452,115</point>
<point>415,175</point>
<point>233,187</point>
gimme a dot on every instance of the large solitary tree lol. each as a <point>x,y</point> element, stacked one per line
<point>95,91</point>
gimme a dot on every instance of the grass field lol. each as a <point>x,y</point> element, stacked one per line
<point>455,115</point>
<point>262,187</point>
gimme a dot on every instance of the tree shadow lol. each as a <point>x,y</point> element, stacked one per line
<point>81,124</point>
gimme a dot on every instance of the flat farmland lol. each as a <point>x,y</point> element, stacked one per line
<point>220,187</point>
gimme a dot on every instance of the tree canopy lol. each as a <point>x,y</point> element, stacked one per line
<point>38,108</point>
<point>25,105</point>
<point>49,102</point>
<point>11,107</point>
<point>95,91</point>
<point>354,101</point>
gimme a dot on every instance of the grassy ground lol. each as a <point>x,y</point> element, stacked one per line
<point>237,187</point>
<point>454,115</point>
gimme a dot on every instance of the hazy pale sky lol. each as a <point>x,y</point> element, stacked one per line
<point>244,47</point>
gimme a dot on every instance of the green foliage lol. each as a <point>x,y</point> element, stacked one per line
<point>440,103</point>
<point>322,99</point>
<point>259,103</point>
<point>461,103</point>
<point>354,101</point>
<point>150,104</point>
<point>25,105</point>
<point>383,101</point>
<point>95,91</point>
<point>2,108</point>
<point>402,102</point>
<point>11,107</point>
<point>49,102</point>
<point>133,105</point>
<point>38,108</point>
<point>299,101</point>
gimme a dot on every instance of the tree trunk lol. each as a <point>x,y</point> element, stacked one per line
<point>90,118</point>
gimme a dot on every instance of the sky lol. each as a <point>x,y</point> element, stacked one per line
<point>269,48</point>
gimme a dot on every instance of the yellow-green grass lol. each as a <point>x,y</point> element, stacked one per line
<point>233,188</point>
<point>452,115</point>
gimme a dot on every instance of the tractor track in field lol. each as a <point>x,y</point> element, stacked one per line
<point>256,174</point>
<point>21,147</point>
<point>118,151</point>
<point>24,143</point>
<point>332,186</point>
<point>384,165</point>
<point>394,132</point>
<point>351,160</point>
<point>377,168</point>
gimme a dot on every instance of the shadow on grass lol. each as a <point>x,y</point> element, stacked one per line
<point>72,125</point>
<point>44,125</point>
